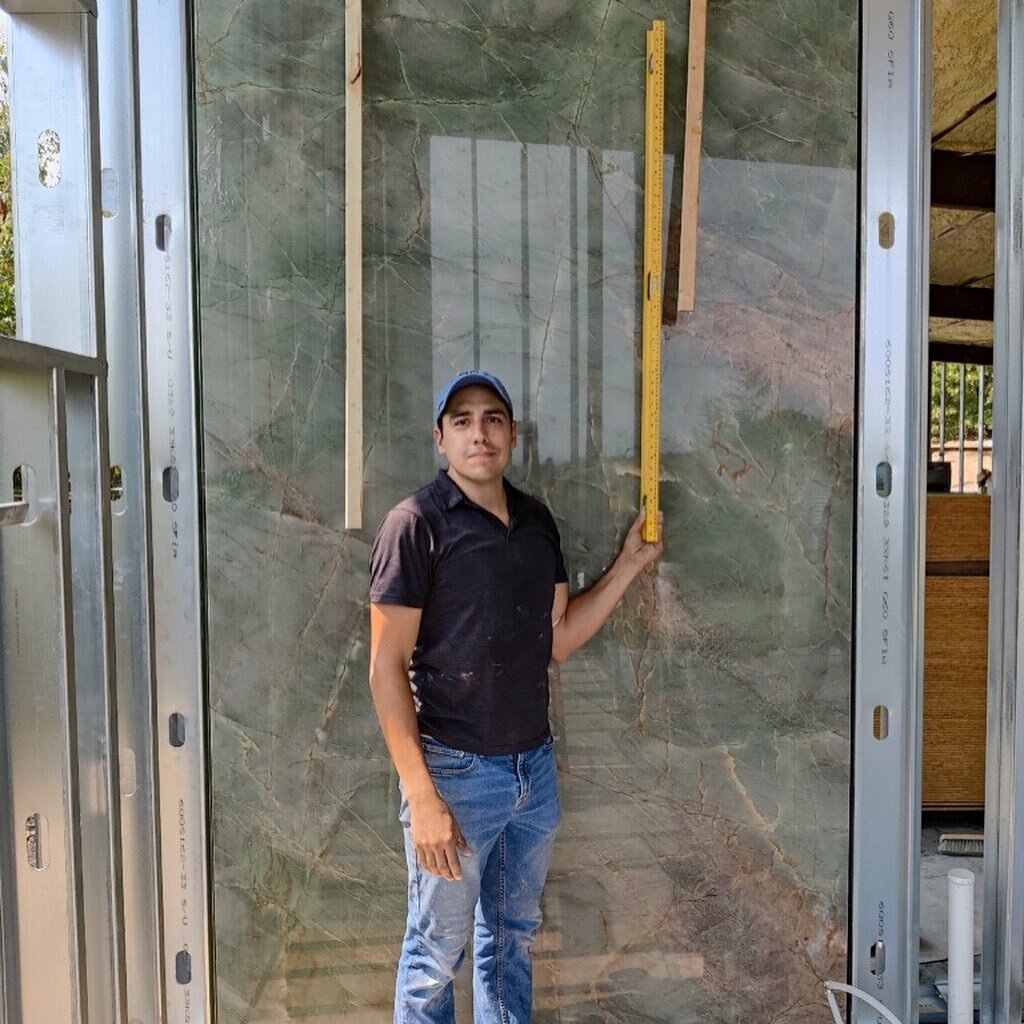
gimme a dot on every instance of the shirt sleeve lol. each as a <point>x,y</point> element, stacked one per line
<point>400,560</point>
<point>561,574</point>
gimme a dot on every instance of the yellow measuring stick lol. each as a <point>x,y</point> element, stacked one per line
<point>654,191</point>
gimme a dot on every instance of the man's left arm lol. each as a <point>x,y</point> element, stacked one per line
<point>577,619</point>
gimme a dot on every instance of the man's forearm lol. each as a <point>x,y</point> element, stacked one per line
<point>588,611</point>
<point>435,832</point>
<point>396,713</point>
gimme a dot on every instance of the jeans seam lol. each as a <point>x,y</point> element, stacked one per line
<point>419,937</point>
<point>499,967</point>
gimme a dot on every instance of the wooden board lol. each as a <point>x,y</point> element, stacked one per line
<point>353,264</point>
<point>693,136</point>
<point>955,690</point>
<point>955,651</point>
<point>958,528</point>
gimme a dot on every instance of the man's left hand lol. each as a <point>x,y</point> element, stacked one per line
<point>640,553</point>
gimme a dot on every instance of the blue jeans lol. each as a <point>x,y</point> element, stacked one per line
<point>507,807</point>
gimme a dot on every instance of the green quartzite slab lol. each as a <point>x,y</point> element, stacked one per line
<point>703,737</point>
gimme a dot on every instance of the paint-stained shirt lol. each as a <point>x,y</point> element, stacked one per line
<point>479,671</point>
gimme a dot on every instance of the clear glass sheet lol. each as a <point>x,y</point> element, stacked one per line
<point>703,737</point>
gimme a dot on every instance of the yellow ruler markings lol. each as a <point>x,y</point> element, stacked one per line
<point>654,192</point>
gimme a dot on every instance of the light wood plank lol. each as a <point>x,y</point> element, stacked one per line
<point>353,264</point>
<point>692,141</point>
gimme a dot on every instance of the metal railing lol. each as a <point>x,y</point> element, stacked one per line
<point>960,429</point>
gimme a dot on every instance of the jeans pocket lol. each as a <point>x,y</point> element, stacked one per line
<point>442,760</point>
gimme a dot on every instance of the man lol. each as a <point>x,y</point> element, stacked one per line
<point>469,603</point>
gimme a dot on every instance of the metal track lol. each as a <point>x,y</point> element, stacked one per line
<point>118,110</point>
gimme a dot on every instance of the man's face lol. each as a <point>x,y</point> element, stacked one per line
<point>476,435</point>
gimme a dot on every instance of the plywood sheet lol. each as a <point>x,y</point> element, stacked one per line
<point>962,247</point>
<point>976,133</point>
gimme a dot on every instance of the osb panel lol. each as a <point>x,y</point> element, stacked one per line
<point>963,63</point>
<point>976,134</point>
<point>955,681</point>
<point>958,528</point>
<point>962,247</point>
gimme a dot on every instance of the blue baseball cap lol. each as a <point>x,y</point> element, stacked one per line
<point>468,379</point>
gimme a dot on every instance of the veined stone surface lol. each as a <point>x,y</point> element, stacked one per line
<point>703,737</point>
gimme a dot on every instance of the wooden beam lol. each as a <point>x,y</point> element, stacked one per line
<point>959,352</point>
<point>963,181</point>
<point>959,303</point>
<point>692,139</point>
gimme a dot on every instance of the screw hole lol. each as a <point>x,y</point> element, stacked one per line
<point>48,149</point>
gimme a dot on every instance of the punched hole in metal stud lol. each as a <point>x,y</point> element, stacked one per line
<point>48,152</point>
<point>163,232</point>
<point>881,722</point>
<point>170,484</point>
<point>886,230</point>
<point>110,200</point>
<point>183,967</point>
<point>37,842</point>
<point>118,506</point>
<point>177,729</point>
<point>129,773</point>
<point>21,510</point>
<point>877,958</point>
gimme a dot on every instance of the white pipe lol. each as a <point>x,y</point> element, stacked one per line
<point>831,987</point>
<point>961,946</point>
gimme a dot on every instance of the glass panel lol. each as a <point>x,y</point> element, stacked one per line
<point>703,738</point>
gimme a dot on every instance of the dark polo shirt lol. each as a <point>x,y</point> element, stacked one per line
<point>479,670</point>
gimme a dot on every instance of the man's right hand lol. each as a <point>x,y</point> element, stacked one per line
<point>435,832</point>
<point>437,837</point>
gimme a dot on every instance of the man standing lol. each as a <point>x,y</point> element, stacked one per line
<point>469,603</point>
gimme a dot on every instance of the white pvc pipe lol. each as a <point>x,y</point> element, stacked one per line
<point>961,946</point>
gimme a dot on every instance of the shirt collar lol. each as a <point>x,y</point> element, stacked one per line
<point>449,495</point>
<point>447,492</point>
